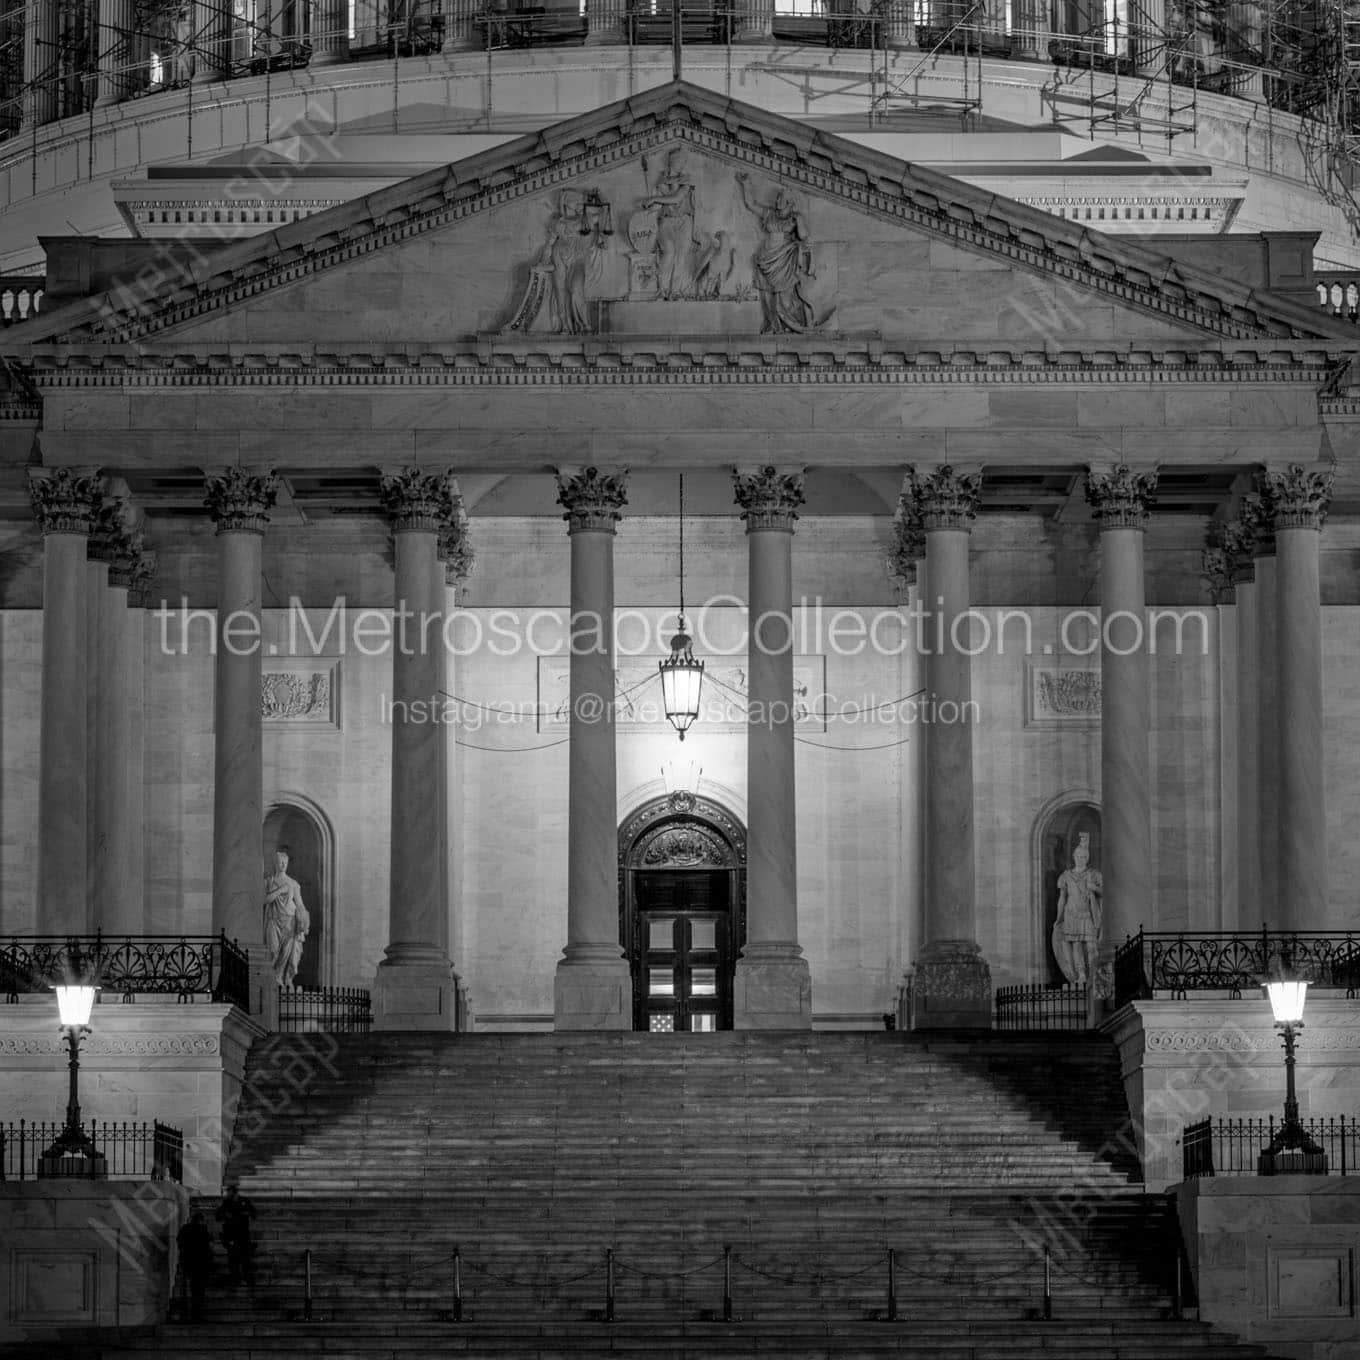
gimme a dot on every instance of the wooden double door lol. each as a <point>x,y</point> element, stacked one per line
<point>685,951</point>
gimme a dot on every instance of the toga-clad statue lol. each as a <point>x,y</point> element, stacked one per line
<point>285,920</point>
<point>1076,932</point>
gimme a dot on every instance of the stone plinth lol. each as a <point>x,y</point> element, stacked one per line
<point>1183,1060</point>
<point>150,1060</point>
<point>951,987</point>
<point>1273,1259</point>
<point>415,996</point>
<point>772,988</point>
<point>592,993</point>
<point>84,1254</point>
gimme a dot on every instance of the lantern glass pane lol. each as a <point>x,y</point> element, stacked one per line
<point>1286,1000</point>
<point>75,1004</point>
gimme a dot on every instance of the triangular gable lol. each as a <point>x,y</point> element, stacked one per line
<point>560,263</point>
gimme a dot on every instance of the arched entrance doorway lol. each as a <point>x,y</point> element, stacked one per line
<point>1056,833</point>
<point>682,911</point>
<point>304,833</point>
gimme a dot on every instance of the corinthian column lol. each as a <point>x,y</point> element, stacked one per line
<point>1120,498</point>
<point>1299,497</point>
<point>1240,542</point>
<point>42,63</point>
<point>952,984</point>
<point>415,986</point>
<point>239,502</point>
<point>593,986</point>
<point>1260,513</point>
<point>772,988</point>
<point>65,501</point>
<point>115,26</point>
<point>115,908</point>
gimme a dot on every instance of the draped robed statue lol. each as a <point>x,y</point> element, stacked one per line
<point>286,922</point>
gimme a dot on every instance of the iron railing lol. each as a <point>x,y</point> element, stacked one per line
<point>325,1010</point>
<point>1179,962</point>
<point>1233,1147</point>
<point>132,1152</point>
<point>181,965</point>
<point>1040,1007</point>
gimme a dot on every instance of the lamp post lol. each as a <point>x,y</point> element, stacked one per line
<point>682,677</point>
<point>73,1154</point>
<point>1291,1150</point>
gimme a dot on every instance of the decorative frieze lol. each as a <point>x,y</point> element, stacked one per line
<point>593,500</point>
<point>769,499</point>
<point>240,500</point>
<point>945,498</point>
<point>65,500</point>
<point>1120,496</point>
<point>416,500</point>
<point>1299,496</point>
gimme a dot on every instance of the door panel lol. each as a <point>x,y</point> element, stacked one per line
<point>686,972</point>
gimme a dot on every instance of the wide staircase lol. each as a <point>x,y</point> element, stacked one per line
<point>734,1194</point>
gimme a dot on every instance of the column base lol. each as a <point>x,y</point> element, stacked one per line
<point>415,994</point>
<point>592,989</point>
<point>264,987</point>
<point>772,988</point>
<point>328,57</point>
<point>951,987</point>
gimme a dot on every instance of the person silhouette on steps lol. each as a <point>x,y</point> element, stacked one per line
<point>234,1214</point>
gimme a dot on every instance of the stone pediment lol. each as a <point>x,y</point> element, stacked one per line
<point>676,213</point>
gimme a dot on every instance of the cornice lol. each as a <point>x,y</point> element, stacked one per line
<point>871,182</point>
<point>719,362</point>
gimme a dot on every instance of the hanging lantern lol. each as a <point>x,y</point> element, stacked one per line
<point>682,677</point>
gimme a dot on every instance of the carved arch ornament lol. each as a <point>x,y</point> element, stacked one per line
<point>672,830</point>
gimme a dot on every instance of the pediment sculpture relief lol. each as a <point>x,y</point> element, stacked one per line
<point>703,249</point>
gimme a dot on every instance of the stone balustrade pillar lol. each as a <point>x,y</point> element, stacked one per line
<point>592,988</point>
<point>1299,498</point>
<point>951,984</point>
<point>1119,497</point>
<point>65,501</point>
<point>239,502</point>
<point>773,986</point>
<point>116,907</point>
<point>42,63</point>
<point>415,987</point>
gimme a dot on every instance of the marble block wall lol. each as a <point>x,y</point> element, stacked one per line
<point>77,1255</point>
<point>1185,1060</point>
<point>150,1060</point>
<point>1274,1260</point>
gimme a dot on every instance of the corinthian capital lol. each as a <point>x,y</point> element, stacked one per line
<point>1257,518</point>
<point>908,542</point>
<point>455,547</point>
<point>114,536</point>
<point>65,500</point>
<point>769,499</point>
<point>137,574</point>
<point>1299,496</point>
<point>945,499</point>
<point>1120,496</point>
<point>1239,547</point>
<point>240,500</point>
<point>591,498</point>
<point>416,500</point>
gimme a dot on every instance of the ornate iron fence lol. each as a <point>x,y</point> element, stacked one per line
<point>328,1010</point>
<point>132,1152</point>
<point>1233,1147</point>
<point>181,965</point>
<point>1179,962</point>
<point>1040,1007</point>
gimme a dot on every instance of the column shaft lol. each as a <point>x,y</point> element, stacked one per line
<point>1268,743</point>
<point>330,35</point>
<point>96,585</point>
<point>115,50</point>
<point>592,986</point>
<point>1302,806</point>
<point>604,22</point>
<point>64,752</point>
<point>238,759</point>
<point>118,910</point>
<point>1245,729</point>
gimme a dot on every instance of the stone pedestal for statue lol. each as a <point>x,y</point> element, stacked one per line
<point>592,989</point>
<point>411,995</point>
<point>951,987</point>
<point>772,988</point>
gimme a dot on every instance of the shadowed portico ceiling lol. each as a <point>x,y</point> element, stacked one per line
<point>1053,492</point>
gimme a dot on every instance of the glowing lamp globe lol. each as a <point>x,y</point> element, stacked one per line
<point>682,678</point>
<point>74,1004</point>
<point>1286,1000</point>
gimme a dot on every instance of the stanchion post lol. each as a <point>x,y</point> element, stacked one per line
<point>609,1284</point>
<point>1177,1299</point>
<point>457,1285</point>
<point>727,1284</point>
<point>307,1285</point>
<point>892,1284</point>
<point>1048,1284</point>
